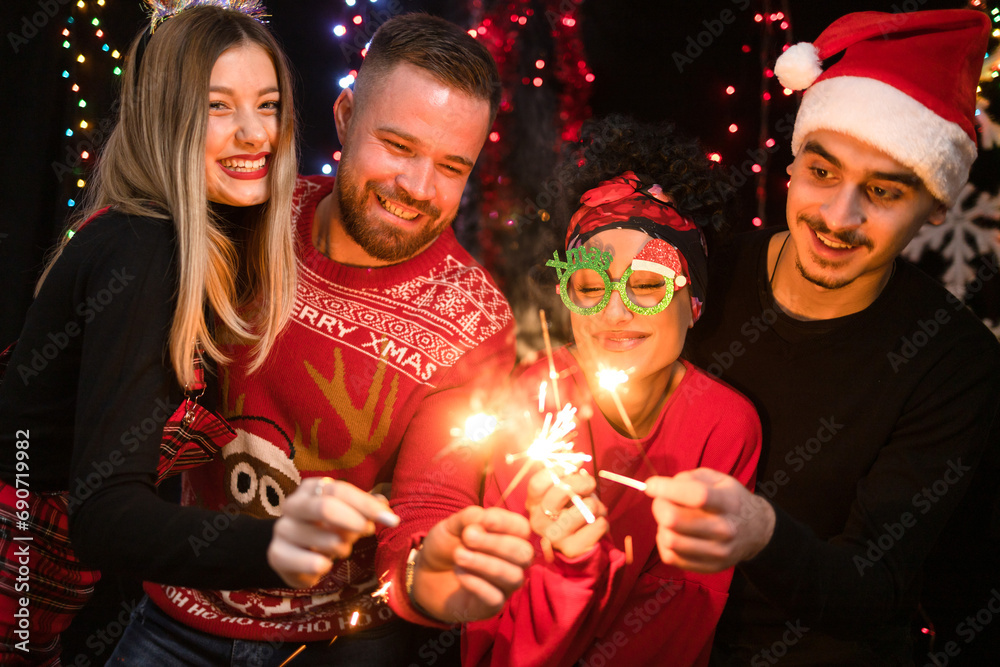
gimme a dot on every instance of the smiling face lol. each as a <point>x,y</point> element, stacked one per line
<point>851,210</point>
<point>616,337</point>
<point>407,154</point>
<point>243,123</point>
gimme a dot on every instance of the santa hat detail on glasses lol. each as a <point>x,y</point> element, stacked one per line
<point>906,85</point>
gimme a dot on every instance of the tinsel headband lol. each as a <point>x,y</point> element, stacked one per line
<point>160,10</point>
<point>625,202</point>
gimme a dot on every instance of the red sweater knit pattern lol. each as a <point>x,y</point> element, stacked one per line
<point>371,369</point>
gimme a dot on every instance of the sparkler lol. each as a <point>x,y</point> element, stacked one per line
<point>622,479</point>
<point>293,656</point>
<point>552,365</point>
<point>553,448</point>
<point>477,429</point>
<point>610,379</point>
<point>382,592</point>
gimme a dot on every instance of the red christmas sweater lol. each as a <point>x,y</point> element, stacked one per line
<point>596,607</point>
<point>376,365</point>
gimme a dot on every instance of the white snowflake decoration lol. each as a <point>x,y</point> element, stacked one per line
<point>959,240</point>
<point>989,132</point>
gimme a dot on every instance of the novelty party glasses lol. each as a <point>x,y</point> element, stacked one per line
<point>646,287</point>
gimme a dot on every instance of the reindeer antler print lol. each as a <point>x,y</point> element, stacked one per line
<point>358,421</point>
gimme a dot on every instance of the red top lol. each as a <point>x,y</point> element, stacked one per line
<point>596,607</point>
<point>367,373</point>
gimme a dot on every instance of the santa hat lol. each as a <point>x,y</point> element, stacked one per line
<point>906,85</point>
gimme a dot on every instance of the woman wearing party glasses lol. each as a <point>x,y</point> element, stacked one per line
<point>633,279</point>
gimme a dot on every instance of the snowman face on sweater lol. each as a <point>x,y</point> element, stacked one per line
<point>259,475</point>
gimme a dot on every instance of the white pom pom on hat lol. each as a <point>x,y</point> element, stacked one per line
<point>799,66</point>
<point>906,84</point>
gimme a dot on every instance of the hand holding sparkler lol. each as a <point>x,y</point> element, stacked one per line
<point>320,522</point>
<point>471,563</point>
<point>564,511</point>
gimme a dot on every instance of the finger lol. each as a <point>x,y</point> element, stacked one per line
<point>692,522</point>
<point>584,539</point>
<point>511,548</point>
<point>310,502</point>
<point>337,515</point>
<point>693,553</point>
<point>581,484</point>
<point>456,523</point>
<point>692,564</point>
<point>501,521</point>
<point>486,593</point>
<point>298,567</point>
<point>496,571</point>
<point>309,536</point>
<point>572,521</point>
<point>538,486</point>
<point>364,503</point>
<point>683,489</point>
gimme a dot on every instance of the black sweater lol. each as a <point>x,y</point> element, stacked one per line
<point>91,383</point>
<point>873,424</point>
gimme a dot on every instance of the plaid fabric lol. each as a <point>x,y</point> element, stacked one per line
<point>193,434</point>
<point>37,562</point>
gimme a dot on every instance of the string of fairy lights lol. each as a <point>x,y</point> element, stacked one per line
<point>90,60</point>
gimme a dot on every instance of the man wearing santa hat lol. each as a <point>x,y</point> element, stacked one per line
<point>875,386</point>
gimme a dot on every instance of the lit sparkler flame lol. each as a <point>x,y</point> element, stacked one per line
<point>553,448</point>
<point>480,426</point>
<point>382,592</point>
<point>553,445</point>
<point>611,378</point>
<point>354,618</point>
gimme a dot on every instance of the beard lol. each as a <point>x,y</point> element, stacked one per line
<point>381,240</point>
<point>851,237</point>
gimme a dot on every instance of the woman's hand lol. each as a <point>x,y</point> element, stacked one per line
<point>320,522</point>
<point>554,517</point>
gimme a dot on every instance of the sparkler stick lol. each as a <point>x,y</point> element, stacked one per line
<point>609,379</point>
<point>622,479</point>
<point>574,497</point>
<point>548,352</point>
<point>292,656</point>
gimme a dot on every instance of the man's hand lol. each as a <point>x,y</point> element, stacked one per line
<point>470,563</point>
<point>707,521</point>
<point>320,522</point>
<point>553,517</point>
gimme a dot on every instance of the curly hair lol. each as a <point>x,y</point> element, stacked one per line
<point>607,147</point>
<point>610,146</point>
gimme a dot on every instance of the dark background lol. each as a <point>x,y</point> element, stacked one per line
<point>630,48</point>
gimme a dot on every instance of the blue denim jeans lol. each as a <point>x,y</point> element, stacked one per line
<point>153,639</point>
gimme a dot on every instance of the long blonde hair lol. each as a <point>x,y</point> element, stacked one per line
<point>154,165</point>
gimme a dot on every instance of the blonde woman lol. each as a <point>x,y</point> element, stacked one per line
<point>186,239</point>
